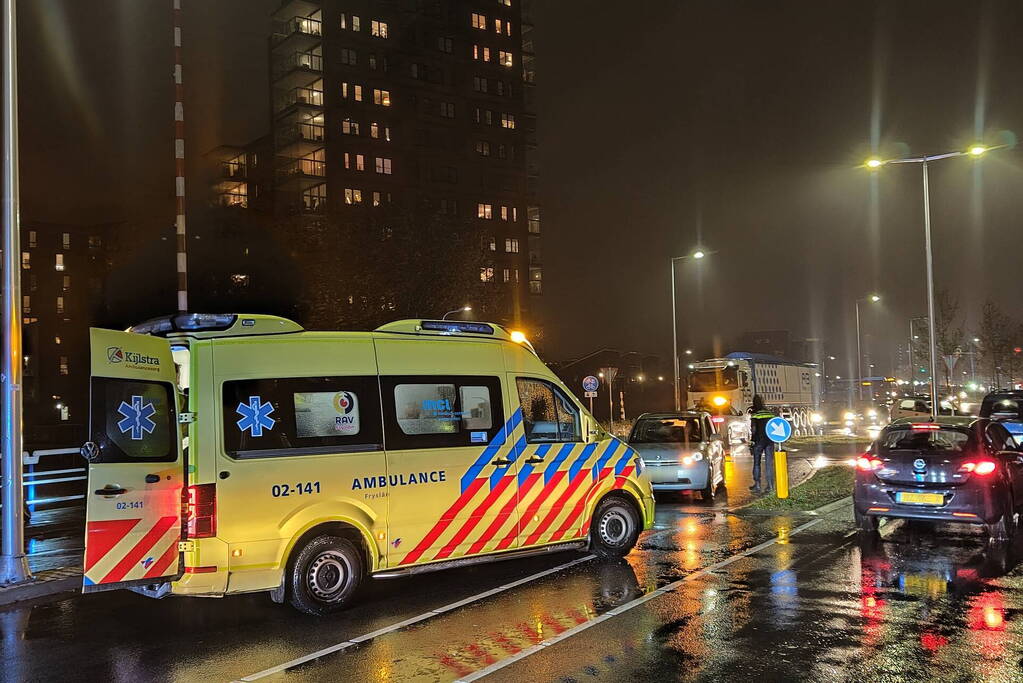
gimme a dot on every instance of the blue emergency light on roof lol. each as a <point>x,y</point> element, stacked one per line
<point>455,326</point>
<point>183,322</point>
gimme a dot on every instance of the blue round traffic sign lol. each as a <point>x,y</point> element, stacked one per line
<point>778,429</point>
<point>590,383</point>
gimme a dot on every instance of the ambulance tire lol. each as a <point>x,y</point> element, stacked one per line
<point>325,575</point>
<point>615,527</point>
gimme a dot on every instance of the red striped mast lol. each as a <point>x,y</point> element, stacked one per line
<point>179,164</point>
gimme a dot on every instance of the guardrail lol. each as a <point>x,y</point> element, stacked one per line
<point>61,477</point>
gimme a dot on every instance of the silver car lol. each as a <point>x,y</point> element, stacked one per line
<point>682,451</point>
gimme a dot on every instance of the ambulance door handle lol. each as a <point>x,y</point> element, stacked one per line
<point>111,491</point>
<point>501,462</point>
<point>535,460</point>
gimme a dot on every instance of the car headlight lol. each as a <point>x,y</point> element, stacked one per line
<point>697,457</point>
<point>871,413</point>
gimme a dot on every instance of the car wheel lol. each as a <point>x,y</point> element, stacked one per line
<point>867,524</point>
<point>615,527</point>
<point>1005,528</point>
<point>325,575</point>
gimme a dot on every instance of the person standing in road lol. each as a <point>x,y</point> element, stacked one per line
<point>760,444</point>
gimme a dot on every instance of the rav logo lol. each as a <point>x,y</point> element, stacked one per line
<point>147,562</point>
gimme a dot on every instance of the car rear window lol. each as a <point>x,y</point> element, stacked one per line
<point>925,440</point>
<point>669,430</point>
<point>1001,408</point>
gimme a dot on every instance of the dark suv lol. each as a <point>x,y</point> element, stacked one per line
<point>1005,407</point>
<point>951,469</point>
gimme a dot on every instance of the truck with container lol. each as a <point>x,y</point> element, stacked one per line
<point>726,386</point>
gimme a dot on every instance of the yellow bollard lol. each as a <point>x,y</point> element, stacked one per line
<point>781,474</point>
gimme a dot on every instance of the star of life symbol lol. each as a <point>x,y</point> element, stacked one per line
<point>255,416</point>
<point>138,418</point>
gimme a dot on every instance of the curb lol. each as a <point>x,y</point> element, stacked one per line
<point>47,583</point>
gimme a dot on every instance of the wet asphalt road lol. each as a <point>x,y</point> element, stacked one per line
<point>708,595</point>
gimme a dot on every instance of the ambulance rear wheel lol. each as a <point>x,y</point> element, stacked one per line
<point>615,527</point>
<point>325,575</point>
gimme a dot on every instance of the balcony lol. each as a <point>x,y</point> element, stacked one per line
<point>300,139</point>
<point>301,174</point>
<point>297,8</point>
<point>297,69</point>
<point>297,33</point>
<point>307,98</point>
<point>232,169</point>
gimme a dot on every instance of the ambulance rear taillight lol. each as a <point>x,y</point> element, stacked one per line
<point>202,511</point>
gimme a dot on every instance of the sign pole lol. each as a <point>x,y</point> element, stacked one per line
<point>13,563</point>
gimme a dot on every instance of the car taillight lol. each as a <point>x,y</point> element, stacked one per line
<point>202,511</point>
<point>867,464</point>
<point>981,467</point>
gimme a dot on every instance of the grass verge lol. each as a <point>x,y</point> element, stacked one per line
<point>830,440</point>
<point>825,486</point>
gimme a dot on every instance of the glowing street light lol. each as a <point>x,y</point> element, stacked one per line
<point>463,309</point>
<point>976,151</point>
<point>698,254</point>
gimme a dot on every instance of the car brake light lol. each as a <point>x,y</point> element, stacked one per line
<point>926,426</point>
<point>867,464</point>
<point>981,467</point>
<point>202,511</point>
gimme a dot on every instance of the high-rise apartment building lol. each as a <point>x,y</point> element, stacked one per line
<point>426,105</point>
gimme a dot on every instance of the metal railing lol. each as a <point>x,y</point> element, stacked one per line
<point>306,96</point>
<point>304,61</point>
<point>303,25</point>
<point>34,479</point>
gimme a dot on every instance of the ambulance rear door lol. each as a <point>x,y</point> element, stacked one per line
<point>136,479</point>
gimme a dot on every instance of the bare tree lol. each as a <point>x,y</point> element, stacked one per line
<point>948,329</point>
<point>994,334</point>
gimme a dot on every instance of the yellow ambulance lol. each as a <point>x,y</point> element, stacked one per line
<point>240,453</point>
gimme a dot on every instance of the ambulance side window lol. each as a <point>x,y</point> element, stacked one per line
<point>547,414</point>
<point>133,421</point>
<point>301,416</point>
<point>441,411</point>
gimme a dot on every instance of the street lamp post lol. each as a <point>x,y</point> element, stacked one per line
<point>463,309</point>
<point>924,161</point>
<point>873,298</point>
<point>698,254</point>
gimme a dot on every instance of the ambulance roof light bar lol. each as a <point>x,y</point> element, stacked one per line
<point>231,323</point>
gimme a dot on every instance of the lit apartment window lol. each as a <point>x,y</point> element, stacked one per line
<point>498,26</point>
<point>349,57</point>
<point>56,340</point>
<point>378,28</point>
<point>353,196</point>
<point>447,110</point>
<point>504,213</point>
<point>65,240</point>
<point>490,243</point>
<point>511,245</point>
<point>507,28</point>
<point>488,117</point>
<point>516,275</point>
<point>356,161</point>
<point>507,275</point>
<point>506,3</point>
<point>382,97</point>
<point>26,304</point>
<point>515,214</point>
<point>350,22</point>
<point>485,211</point>
<point>26,260</point>
<point>315,198</point>
<point>505,58</point>
<point>383,165</point>
<point>479,21</point>
<point>507,120</point>
<point>349,127</point>
<point>486,274</point>
<point>376,199</point>
<point>67,282</point>
<point>31,238</point>
<point>483,148</point>
<point>60,304</point>
<point>352,91</point>
<point>481,53</point>
<point>479,84</point>
<point>62,366</point>
<point>59,263</point>
<point>445,44</point>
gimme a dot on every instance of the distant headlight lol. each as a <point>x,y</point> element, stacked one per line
<point>849,416</point>
<point>816,418</point>
<point>871,413</point>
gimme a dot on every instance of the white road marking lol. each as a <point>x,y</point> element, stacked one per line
<point>408,622</point>
<point>496,666</point>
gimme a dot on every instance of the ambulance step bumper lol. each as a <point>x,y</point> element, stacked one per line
<point>480,559</point>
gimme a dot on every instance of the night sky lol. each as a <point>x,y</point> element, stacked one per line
<point>662,125</point>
